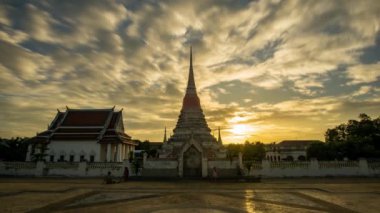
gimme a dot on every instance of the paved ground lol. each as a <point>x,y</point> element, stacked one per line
<point>276,195</point>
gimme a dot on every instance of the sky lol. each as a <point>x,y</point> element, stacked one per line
<point>265,70</point>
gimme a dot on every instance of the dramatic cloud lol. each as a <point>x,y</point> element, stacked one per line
<point>265,70</point>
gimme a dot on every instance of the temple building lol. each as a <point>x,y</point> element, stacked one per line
<point>289,150</point>
<point>192,144</point>
<point>93,135</point>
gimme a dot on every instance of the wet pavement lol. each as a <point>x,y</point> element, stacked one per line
<point>276,195</point>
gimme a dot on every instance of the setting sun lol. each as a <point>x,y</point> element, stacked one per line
<point>242,129</point>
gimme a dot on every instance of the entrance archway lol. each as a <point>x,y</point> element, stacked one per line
<point>192,163</point>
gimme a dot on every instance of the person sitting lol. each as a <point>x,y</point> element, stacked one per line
<point>108,179</point>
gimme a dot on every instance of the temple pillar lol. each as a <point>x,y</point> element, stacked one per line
<point>126,151</point>
<point>118,152</point>
<point>28,154</point>
<point>109,153</point>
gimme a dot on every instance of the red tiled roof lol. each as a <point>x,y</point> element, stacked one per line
<point>81,136</point>
<point>100,125</point>
<point>114,118</point>
<point>56,120</point>
<point>78,130</point>
<point>86,118</point>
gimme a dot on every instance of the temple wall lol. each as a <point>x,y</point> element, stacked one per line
<point>65,169</point>
<point>77,148</point>
<point>160,163</point>
<point>154,167</point>
<point>224,168</point>
<point>314,168</point>
<point>168,168</point>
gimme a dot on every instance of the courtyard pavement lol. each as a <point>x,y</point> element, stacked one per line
<point>270,195</point>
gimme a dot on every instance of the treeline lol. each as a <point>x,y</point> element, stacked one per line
<point>354,139</point>
<point>13,149</point>
<point>252,151</point>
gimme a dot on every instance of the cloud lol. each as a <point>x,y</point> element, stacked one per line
<point>24,64</point>
<point>364,73</point>
<point>266,61</point>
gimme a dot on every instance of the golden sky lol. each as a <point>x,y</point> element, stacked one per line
<point>264,70</point>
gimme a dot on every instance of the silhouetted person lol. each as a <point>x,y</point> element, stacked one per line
<point>214,173</point>
<point>108,178</point>
<point>126,173</point>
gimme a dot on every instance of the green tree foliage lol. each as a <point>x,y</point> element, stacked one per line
<point>13,149</point>
<point>354,139</point>
<point>143,145</point>
<point>251,151</point>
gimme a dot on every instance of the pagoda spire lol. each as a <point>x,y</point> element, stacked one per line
<point>191,89</point>
<point>219,136</point>
<point>165,139</point>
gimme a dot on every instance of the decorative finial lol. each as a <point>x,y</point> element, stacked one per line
<point>165,139</point>
<point>121,109</point>
<point>67,107</point>
<point>219,136</point>
<point>58,110</point>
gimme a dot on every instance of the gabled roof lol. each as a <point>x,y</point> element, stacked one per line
<point>297,142</point>
<point>102,125</point>
<point>81,118</point>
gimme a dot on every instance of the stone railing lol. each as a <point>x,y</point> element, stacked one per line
<point>284,164</point>
<point>104,165</point>
<point>19,165</point>
<point>338,164</point>
<point>374,164</point>
<point>61,165</point>
<point>252,165</point>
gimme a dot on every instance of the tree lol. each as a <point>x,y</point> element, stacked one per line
<point>354,139</point>
<point>250,151</point>
<point>13,149</point>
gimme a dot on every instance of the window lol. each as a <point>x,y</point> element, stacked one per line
<point>71,158</point>
<point>51,158</point>
<point>82,158</point>
<point>92,158</point>
<point>61,158</point>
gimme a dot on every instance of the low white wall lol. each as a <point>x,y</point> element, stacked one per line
<point>67,169</point>
<point>223,164</point>
<point>265,168</point>
<point>155,163</point>
<point>314,169</point>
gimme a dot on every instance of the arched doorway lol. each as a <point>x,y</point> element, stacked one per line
<point>192,163</point>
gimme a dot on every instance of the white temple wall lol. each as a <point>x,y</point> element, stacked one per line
<point>223,164</point>
<point>76,148</point>
<point>162,164</point>
<point>169,168</point>
<point>65,169</point>
<point>314,168</point>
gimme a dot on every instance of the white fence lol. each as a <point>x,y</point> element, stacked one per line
<point>265,168</point>
<point>69,169</point>
<point>314,168</point>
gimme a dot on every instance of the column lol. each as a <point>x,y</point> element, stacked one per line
<point>265,164</point>
<point>314,170</point>
<point>29,153</point>
<point>118,153</point>
<point>108,156</point>
<point>122,152</point>
<point>204,167</point>
<point>363,167</point>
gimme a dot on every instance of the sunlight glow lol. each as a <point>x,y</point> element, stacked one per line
<point>242,129</point>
